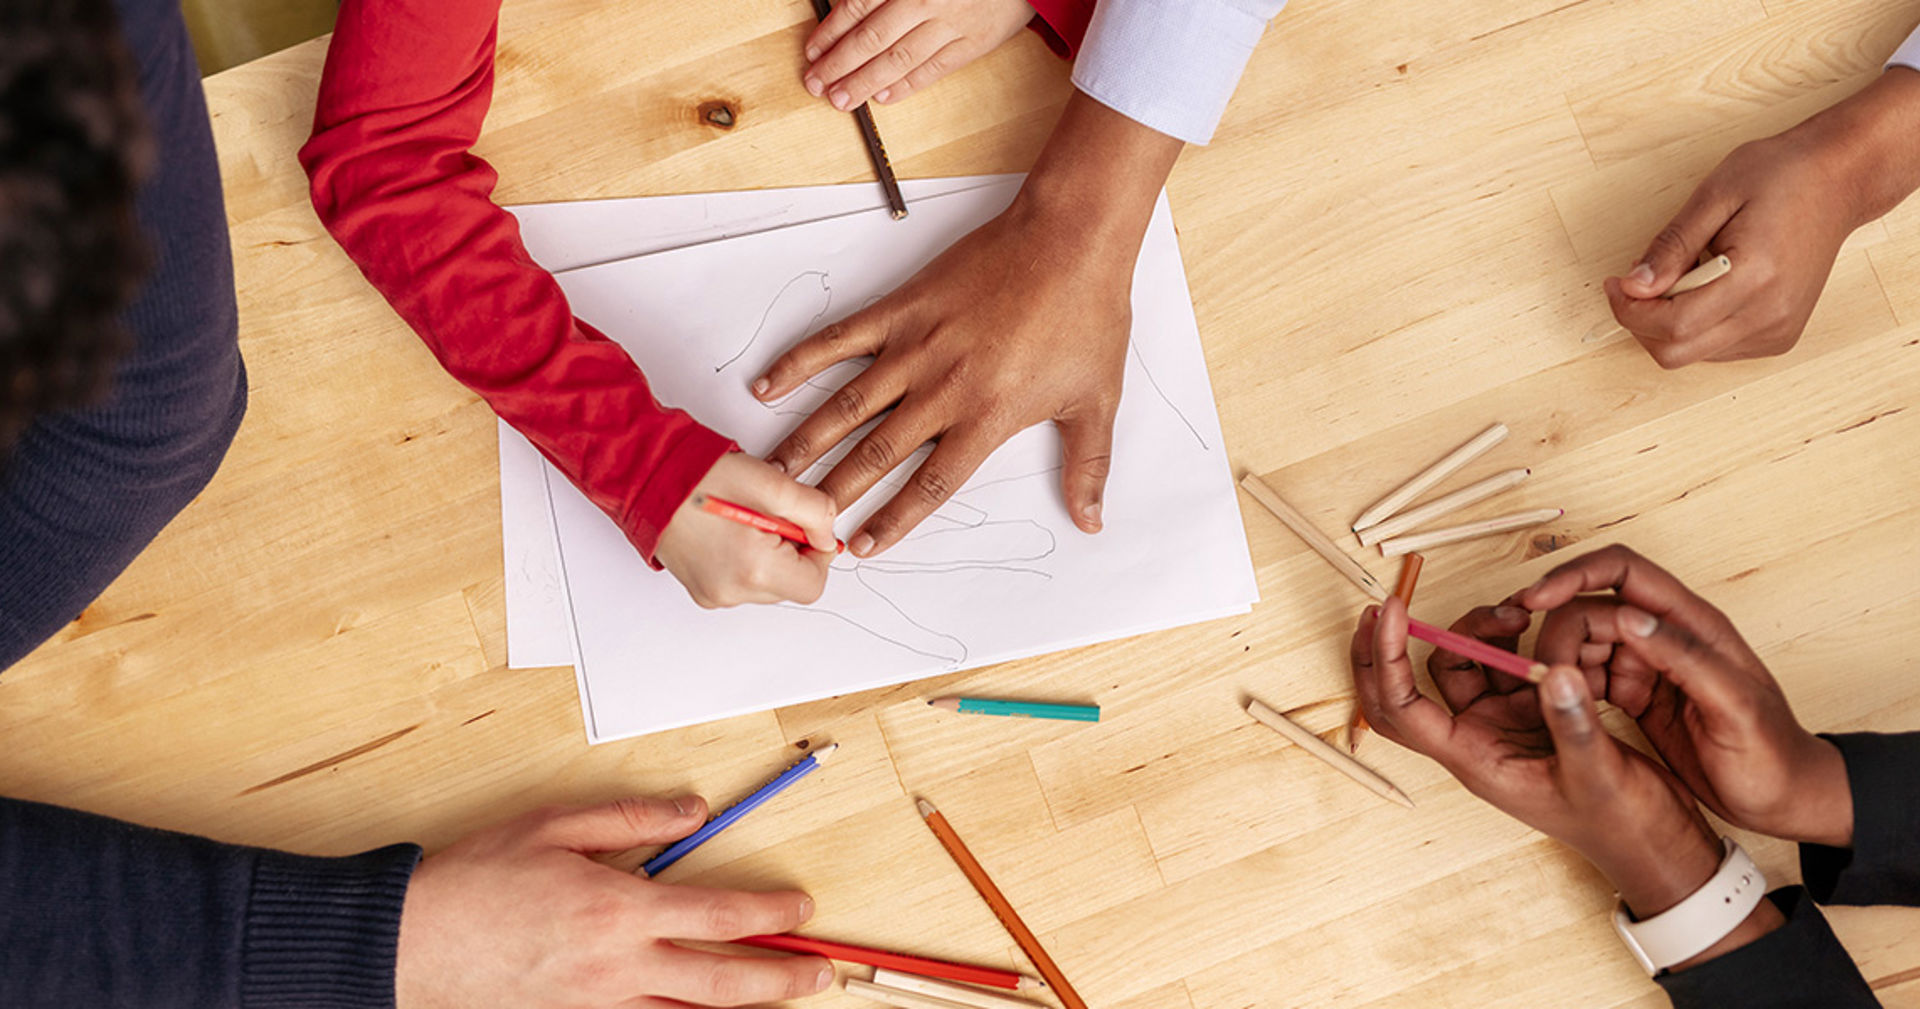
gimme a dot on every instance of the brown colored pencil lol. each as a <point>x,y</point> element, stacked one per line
<point>1366,776</point>
<point>1409,577</point>
<point>1314,538</point>
<point>997,901</point>
<point>870,133</point>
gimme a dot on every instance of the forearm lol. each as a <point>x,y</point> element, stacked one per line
<point>1097,180</point>
<point>1684,863</point>
<point>96,912</point>
<point>1872,142</point>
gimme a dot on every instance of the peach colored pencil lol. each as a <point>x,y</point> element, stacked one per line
<point>1366,776</point>
<point>1472,493</point>
<point>1314,538</point>
<point>1403,495</point>
<point>960,993</point>
<point>1472,530</point>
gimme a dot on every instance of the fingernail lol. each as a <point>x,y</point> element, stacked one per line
<point>683,804</point>
<point>814,87</point>
<point>826,978</point>
<point>838,98</point>
<point>862,543</point>
<point>806,912</point>
<point>778,465</point>
<point>1642,274</point>
<point>813,53</point>
<point>1562,691</point>
<point>761,386</point>
<point>881,95</point>
<point>1092,514</point>
<point>1638,623</point>
<point>1509,614</point>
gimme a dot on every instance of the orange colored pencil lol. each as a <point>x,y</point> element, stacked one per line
<point>765,523</point>
<point>1409,577</point>
<point>1049,971</point>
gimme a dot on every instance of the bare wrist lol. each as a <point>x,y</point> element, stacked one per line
<point>1871,143</point>
<point>1823,798</point>
<point>1662,875</point>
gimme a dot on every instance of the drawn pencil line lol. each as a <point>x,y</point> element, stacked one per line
<point>825,284</point>
<point>1164,398</point>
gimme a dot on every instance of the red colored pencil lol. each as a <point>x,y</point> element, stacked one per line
<point>1479,651</point>
<point>990,976</point>
<point>765,523</point>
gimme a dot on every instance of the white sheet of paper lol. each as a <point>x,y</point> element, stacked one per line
<point>998,573</point>
<point>567,236</point>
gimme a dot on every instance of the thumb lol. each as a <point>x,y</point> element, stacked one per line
<point>1678,246</point>
<point>625,823</point>
<point>1087,454</point>
<point>1589,762</point>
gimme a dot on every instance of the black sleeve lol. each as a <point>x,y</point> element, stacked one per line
<point>1799,965</point>
<point>107,915</point>
<point>1883,866</point>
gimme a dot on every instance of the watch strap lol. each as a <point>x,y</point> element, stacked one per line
<point>1705,917</point>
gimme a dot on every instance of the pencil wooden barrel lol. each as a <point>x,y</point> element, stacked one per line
<point>1397,238</point>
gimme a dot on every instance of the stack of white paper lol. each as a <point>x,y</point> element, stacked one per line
<point>998,573</point>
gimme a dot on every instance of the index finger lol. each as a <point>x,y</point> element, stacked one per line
<point>1686,328</point>
<point>837,23</point>
<point>714,915</point>
<point>1635,580</point>
<point>955,457</point>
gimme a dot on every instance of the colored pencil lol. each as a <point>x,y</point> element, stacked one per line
<point>991,976</point>
<point>733,813</point>
<point>1002,910</point>
<point>876,151</point>
<point>1314,538</point>
<point>1472,530</point>
<point>1403,495</point>
<point>1694,279</point>
<point>963,994</point>
<point>921,993</point>
<point>1366,776</point>
<point>1018,709</point>
<point>1472,493</point>
<point>1479,651</point>
<point>765,523</point>
<point>1409,577</point>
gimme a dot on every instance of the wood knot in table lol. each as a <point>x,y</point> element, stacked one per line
<point>1547,543</point>
<point>718,113</point>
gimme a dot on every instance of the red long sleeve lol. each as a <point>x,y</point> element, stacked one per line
<point>1062,23</point>
<point>406,86</point>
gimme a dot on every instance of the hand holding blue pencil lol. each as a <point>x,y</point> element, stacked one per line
<point>681,848</point>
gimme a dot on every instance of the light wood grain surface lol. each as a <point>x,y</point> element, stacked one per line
<point>1397,238</point>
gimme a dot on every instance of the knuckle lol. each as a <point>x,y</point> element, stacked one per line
<point>720,917</point>
<point>723,984</point>
<point>799,445</point>
<point>875,453</point>
<point>1669,241</point>
<point>849,403</point>
<point>1097,466</point>
<point>833,336</point>
<point>867,37</point>
<point>900,59</point>
<point>937,65</point>
<point>932,484</point>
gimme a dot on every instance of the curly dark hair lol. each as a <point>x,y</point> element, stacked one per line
<point>72,152</point>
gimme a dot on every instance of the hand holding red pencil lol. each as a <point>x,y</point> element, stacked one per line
<point>1700,693</point>
<point>726,562</point>
<point>1539,754</point>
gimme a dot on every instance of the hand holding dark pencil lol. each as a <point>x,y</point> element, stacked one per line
<point>871,135</point>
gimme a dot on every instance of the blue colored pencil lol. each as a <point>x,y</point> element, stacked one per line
<point>682,847</point>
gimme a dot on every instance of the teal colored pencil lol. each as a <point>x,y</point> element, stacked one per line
<point>1019,709</point>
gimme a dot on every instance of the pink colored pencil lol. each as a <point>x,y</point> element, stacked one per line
<point>1479,651</point>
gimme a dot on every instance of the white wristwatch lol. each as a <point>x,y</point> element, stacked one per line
<point>1699,921</point>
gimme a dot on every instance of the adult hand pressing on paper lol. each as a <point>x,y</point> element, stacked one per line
<point>1700,694</point>
<point>519,915</point>
<point>1780,209</point>
<point>888,49</point>
<point>1025,320</point>
<point>723,563</point>
<point>1539,754</point>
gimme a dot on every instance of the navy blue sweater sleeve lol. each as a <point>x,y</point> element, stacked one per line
<point>86,490</point>
<point>1802,964</point>
<point>99,913</point>
<point>1883,866</point>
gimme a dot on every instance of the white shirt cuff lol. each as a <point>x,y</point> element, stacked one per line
<point>1170,65</point>
<point>1908,55</point>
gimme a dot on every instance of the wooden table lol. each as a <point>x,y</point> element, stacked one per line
<point>1397,237</point>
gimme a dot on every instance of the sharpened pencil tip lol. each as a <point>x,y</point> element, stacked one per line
<point>926,808</point>
<point>820,755</point>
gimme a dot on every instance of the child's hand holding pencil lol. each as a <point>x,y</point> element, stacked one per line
<point>750,534</point>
